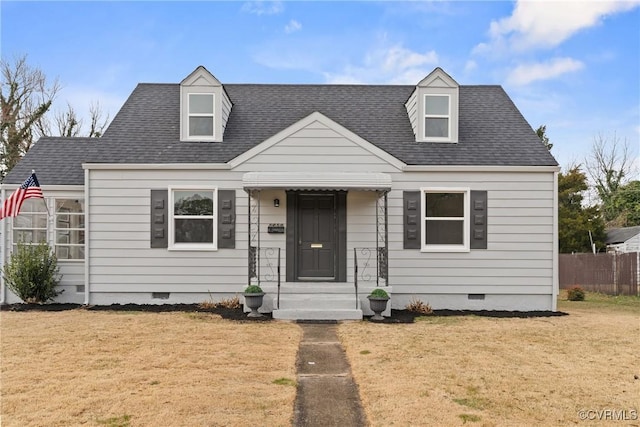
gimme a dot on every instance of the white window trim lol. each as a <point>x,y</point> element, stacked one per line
<point>212,115</point>
<point>173,246</point>
<point>465,221</point>
<point>436,116</point>
<point>46,229</point>
<point>54,238</point>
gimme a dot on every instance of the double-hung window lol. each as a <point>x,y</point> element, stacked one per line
<point>201,117</point>
<point>69,229</point>
<point>193,224</point>
<point>30,226</point>
<point>446,219</point>
<point>437,117</point>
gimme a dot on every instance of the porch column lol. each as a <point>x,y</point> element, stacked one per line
<point>253,235</point>
<point>382,237</point>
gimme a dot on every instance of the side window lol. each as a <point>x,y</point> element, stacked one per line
<point>30,226</point>
<point>192,221</point>
<point>69,229</point>
<point>445,214</point>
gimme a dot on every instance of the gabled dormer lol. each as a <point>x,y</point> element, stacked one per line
<point>433,108</point>
<point>204,107</point>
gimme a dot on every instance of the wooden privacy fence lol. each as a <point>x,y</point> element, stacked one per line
<point>612,274</point>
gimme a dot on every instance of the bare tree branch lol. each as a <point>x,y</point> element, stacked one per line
<point>25,98</point>
<point>609,165</point>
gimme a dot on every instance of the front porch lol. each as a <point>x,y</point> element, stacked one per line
<point>309,263</point>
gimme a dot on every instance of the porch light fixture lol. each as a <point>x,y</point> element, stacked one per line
<point>276,203</point>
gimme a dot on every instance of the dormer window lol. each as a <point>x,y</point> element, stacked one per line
<point>201,116</point>
<point>433,108</point>
<point>437,117</point>
<point>204,107</point>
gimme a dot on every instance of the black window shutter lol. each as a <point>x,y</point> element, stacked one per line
<point>226,219</point>
<point>478,220</point>
<point>412,221</point>
<point>159,218</point>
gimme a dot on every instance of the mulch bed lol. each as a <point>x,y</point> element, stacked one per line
<point>397,316</point>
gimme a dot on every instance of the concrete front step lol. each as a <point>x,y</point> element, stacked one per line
<point>317,314</point>
<point>317,301</point>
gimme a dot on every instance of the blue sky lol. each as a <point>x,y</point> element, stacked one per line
<point>572,65</point>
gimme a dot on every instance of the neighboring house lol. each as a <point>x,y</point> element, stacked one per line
<point>624,240</point>
<point>439,192</point>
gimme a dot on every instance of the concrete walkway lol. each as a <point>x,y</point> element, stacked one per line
<point>327,394</point>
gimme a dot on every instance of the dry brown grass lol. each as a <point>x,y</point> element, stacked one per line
<point>497,372</point>
<point>145,369</point>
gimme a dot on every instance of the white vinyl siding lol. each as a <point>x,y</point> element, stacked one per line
<point>519,256</point>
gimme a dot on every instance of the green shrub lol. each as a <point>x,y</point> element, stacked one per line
<point>253,289</point>
<point>379,293</point>
<point>32,273</point>
<point>575,294</point>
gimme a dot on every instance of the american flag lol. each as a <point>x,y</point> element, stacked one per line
<point>30,188</point>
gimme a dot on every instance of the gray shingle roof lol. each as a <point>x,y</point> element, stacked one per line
<point>57,161</point>
<point>147,128</point>
<point>621,235</point>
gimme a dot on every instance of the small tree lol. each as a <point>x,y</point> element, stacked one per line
<point>32,273</point>
<point>575,221</point>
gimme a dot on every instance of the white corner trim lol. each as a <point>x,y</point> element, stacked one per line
<point>556,249</point>
<point>156,166</point>
<point>478,168</point>
<point>301,124</point>
<point>87,238</point>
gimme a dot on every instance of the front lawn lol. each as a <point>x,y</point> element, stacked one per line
<point>117,368</point>
<point>502,371</point>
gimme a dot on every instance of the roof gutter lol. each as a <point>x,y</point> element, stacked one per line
<point>478,168</point>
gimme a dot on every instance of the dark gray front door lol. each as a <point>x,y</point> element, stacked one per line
<point>317,235</point>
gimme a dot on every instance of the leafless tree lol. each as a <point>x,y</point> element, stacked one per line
<point>25,98</point>
<point>610,166</point>
<point>97,120</point>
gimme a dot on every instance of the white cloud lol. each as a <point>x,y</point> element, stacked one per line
<point>260,7</point>
<point>292,27</point>
<point>395,65</point>
<point>527,73</point>
<point>470,66</point>
<point>544,24</point>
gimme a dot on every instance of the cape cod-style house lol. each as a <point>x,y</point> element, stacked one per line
<point>438,192</point>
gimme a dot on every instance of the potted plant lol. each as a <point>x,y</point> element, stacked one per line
<point>378,302</point>
<point>253,295</point>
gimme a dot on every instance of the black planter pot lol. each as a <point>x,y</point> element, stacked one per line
<point>378,305</point>
<point>254,302</point>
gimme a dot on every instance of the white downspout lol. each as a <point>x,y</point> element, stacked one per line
<point>556,275</point>
<point>87,238</point>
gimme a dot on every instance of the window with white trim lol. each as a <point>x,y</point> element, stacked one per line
<point>445,213</point>
<point>201,117</point>
<point>437,117</point>
<point>69,229</point>
<point>192,221</point>
<point>30,226</point>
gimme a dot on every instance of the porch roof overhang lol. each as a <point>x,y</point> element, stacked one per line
<point>364,181</point>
